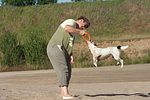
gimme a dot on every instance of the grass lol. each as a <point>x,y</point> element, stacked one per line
<point>110,20</point>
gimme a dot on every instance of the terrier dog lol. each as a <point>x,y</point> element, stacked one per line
<point>104,53</point>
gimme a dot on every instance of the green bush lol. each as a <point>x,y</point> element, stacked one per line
<point>13,57</point>
<point>8,41</point>
<point>148,51</point>
<point>83,56</point>
<point>147,59</point>
<point>12,53</point>
<point>35,49</point>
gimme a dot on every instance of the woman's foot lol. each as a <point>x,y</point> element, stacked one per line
<point>65,93</point>
<point>67,97</point>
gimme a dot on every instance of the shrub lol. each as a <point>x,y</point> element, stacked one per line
<point>147,59</point>
<point>12,53</point>
<point>35,49</point>
<point>148,51</point>
<point>83,56</point>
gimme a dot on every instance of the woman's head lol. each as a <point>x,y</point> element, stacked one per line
<point>83,22</point>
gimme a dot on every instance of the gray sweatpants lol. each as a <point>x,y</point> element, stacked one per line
<point>61,64</point>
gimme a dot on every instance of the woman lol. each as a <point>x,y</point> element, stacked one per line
<point>59,50</point>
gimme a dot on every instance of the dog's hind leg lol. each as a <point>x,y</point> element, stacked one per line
<point>116,56</point>
<point>121,61</point>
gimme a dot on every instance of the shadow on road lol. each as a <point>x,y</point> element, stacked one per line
<point>136,94</point>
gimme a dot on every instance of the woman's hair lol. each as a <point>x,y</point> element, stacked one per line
<point>85,20</point>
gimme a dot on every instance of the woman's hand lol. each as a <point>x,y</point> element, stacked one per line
<point>71,59</point>
<point>82,32</point>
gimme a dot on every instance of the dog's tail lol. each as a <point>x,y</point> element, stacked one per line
<point>122,47</point>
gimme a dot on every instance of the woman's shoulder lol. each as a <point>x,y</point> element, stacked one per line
<point>70,22</point>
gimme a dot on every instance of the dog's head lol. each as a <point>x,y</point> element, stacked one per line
<point>91,45</point>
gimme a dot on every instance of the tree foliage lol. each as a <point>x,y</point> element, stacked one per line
<point>27,2</point>
<point>42,2</point>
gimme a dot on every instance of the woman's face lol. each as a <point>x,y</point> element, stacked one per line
<point>82,24</point>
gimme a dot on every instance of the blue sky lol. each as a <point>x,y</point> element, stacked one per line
<point>59,1</point>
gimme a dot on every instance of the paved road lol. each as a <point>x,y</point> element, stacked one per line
<point>107,83</point>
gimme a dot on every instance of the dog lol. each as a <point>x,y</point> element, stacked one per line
<point>104,53</point>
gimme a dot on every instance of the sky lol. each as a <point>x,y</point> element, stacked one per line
<point>60,1</point>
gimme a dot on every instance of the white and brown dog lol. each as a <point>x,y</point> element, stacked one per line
<point>103,53</point>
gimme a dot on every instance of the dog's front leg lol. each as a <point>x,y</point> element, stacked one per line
<point>95,61</point>
<point>118,63</point>
<point>121,63</point>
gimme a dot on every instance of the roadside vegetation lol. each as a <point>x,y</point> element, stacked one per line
<point>25,31</point>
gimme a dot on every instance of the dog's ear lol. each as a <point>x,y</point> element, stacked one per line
<point>119,47</point>
<point>95,44</point>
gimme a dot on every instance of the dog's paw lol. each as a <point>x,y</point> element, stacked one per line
<point>95,64</point>
<point>117,63</point>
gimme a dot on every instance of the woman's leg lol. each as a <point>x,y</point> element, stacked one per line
<point>62,67</point>
<point>64,89</point>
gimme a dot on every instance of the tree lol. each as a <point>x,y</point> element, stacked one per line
<point>27,2</point>
<point>42,2</point>
<point>18,2</point>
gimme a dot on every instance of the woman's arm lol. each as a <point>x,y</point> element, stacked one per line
<point>71,29</point>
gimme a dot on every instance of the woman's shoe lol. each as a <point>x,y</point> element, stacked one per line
<point>67,97</point>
